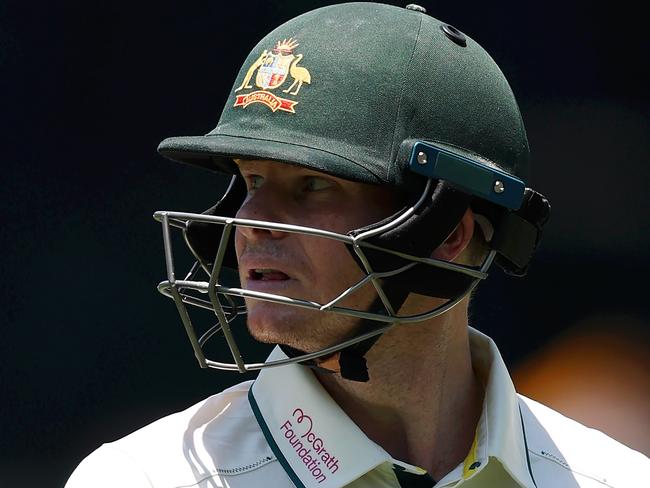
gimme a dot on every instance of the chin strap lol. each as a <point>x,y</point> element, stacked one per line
<point>351,365</point>
<point>350,362</point>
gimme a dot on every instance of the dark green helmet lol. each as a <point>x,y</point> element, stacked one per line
<point>339,89</point>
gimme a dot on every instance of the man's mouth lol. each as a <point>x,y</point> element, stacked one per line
<point>266,274</point>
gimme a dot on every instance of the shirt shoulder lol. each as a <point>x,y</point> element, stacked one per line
<point>216,438</point>
<point>563,452</point>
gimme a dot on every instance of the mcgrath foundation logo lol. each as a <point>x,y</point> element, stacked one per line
<point>271,70</point>
<point>309,446</point>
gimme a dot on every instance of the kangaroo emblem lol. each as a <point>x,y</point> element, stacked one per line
<point>251,71</point>
<point>300,75</point>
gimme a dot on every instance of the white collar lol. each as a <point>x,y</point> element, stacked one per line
<point>314,440</point>
<point>500,436</point>
<point>319,445</point>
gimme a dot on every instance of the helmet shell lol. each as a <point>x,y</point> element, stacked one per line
<point>341,88</point>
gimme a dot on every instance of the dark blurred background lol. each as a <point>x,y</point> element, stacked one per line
<point>89,351</point>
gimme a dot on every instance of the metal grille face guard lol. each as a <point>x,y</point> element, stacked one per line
<point>221,298</point>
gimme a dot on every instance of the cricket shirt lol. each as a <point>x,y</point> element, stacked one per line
<point>284,430</point>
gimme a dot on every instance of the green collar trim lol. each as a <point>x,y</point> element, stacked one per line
<point>272,444</point>
<point>523,430</point>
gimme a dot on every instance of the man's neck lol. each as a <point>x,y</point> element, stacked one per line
<point>423,401</point>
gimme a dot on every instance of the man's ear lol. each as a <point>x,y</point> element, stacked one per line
<point>458,240</point>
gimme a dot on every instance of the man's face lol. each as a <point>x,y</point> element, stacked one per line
<point>300,266</point>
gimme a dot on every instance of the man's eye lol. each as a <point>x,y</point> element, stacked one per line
<point>315,183</point>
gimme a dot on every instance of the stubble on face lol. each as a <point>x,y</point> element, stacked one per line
<point>318,282</point>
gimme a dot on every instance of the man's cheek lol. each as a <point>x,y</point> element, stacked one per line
<point>239,243</point>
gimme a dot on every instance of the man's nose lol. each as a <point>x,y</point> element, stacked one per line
<point>263,205</point>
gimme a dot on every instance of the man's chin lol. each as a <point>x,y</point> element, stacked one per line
<point>273,323</point>
<point>302,329</point>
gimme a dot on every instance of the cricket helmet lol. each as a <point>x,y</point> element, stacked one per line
<point>376,94</point>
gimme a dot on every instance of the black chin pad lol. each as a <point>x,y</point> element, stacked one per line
<point>353,366</point>
<point>419,235</point>
<point>204,238</point>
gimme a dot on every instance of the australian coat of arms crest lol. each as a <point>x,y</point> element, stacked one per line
<point>270,71</point>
